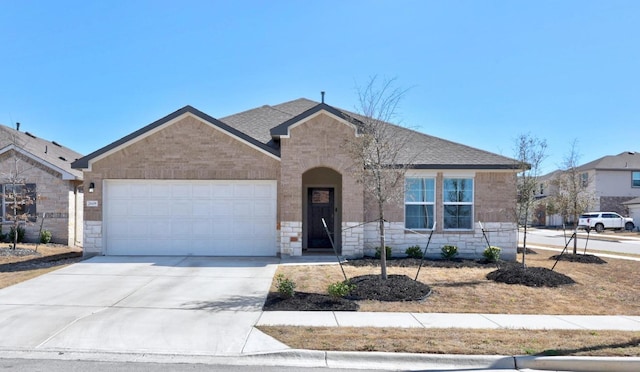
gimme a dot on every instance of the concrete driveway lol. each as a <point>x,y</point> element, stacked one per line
<point>167,305</point>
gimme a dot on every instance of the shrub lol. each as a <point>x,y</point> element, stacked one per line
<point>492,253</point>
<point>340,289</point>
<point>286,287</point>
<point>414,251</point>
<point>12,234</point>
<point>448,252</point>
<point>45,236</point>
<point>387,249</point>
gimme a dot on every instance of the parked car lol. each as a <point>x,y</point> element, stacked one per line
<point>605,220</point>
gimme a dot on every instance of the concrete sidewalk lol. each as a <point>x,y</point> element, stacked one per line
<point>449,320</point>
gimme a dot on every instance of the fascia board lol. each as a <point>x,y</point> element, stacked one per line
<point>65,175</point>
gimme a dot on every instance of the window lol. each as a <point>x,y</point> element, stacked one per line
<point>419,198</point>
<point>635,179</point>
<point>458,203</point>
<point>542,189</point>
<point>584,179</point>
<point>25,195</point>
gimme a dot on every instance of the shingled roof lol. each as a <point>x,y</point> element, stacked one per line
<point>263,126</point>
<point>425,152</point>
<point>48,153</point>
<point>623,161</point>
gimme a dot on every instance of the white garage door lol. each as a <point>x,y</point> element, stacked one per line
<point>208,218</point>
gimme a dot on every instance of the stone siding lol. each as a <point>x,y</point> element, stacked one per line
<point>470,244</point>
<point>92,238</point>
<point>614,204</point>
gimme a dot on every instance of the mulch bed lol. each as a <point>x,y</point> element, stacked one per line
<point>38,261</point>
<point>368,287</point>
<point>581,258</point>
<point>302,301</point>
<point>529,276</point>
<point>395,288</point>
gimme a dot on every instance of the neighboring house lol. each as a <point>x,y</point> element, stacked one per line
<point>41,170</point>
<point>634,211</point>
<point>611,180</point>
<point>259,182</point>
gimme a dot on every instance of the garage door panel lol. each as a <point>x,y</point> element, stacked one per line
<point>222,190</point>
<point>181,191</point>
<point>118,208</point>
<point>161,191</point>
<point>135,190</point>
<point>203,208</point>
<point>202,191</point>
<point>153,217</point>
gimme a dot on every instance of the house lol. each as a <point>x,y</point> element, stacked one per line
<point>259,182</point>
<point>41,171</point>
<point>610,181</point>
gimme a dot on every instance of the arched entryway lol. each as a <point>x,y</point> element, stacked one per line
<point>321,198</point>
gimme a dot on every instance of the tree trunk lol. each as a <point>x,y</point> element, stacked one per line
<point>524,246</point>
<point>383,247</point>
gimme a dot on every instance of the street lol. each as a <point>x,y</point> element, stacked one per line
<point>32,365</point>
<point>556,238</point>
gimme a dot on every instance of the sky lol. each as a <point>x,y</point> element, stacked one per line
<point>481,72</point>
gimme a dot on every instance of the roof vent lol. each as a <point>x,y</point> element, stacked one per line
<point>322,96</point>
<point>631,153</point>
<point>61,158</point>
<point>30,135</point>
<point>56,143</point>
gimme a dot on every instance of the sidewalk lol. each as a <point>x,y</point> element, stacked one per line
<point>449,320</point>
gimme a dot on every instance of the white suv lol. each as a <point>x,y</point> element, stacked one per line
<point>605,220</point>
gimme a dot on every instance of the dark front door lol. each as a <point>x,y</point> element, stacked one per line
<point>319,205</point>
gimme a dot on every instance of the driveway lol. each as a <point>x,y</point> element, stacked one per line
<point>167,305</point>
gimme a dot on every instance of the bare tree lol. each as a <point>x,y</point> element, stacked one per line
<point>380,150</point>
<point>572,197</point>
<point>19,196</point>
<point>530,153</point>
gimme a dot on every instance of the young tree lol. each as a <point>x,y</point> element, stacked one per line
<point>19,196</point>
<point>379,150</point>
<point>572,197</point>
<point>530,153</point>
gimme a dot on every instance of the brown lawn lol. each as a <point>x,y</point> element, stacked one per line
<point>609,289</point>
<point>16,269</point>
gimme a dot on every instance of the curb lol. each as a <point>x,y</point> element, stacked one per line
<point>579,364</point>
<point>354,360</point>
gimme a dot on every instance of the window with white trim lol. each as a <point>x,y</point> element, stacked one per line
<point>18,200</point>
<point>457,201</point>
<point>635,179</point>
<point>419,203</point>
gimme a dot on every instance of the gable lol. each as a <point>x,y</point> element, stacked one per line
<point>284,130</point>
<point>166,122</point>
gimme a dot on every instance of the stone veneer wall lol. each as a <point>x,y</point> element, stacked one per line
<point>92,238</point>
<point>470,244</point>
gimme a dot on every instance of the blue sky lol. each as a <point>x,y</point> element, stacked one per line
<point>86,73</point>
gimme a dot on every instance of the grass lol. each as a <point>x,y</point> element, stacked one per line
<point>460,341</point>
<point>609,289</point>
